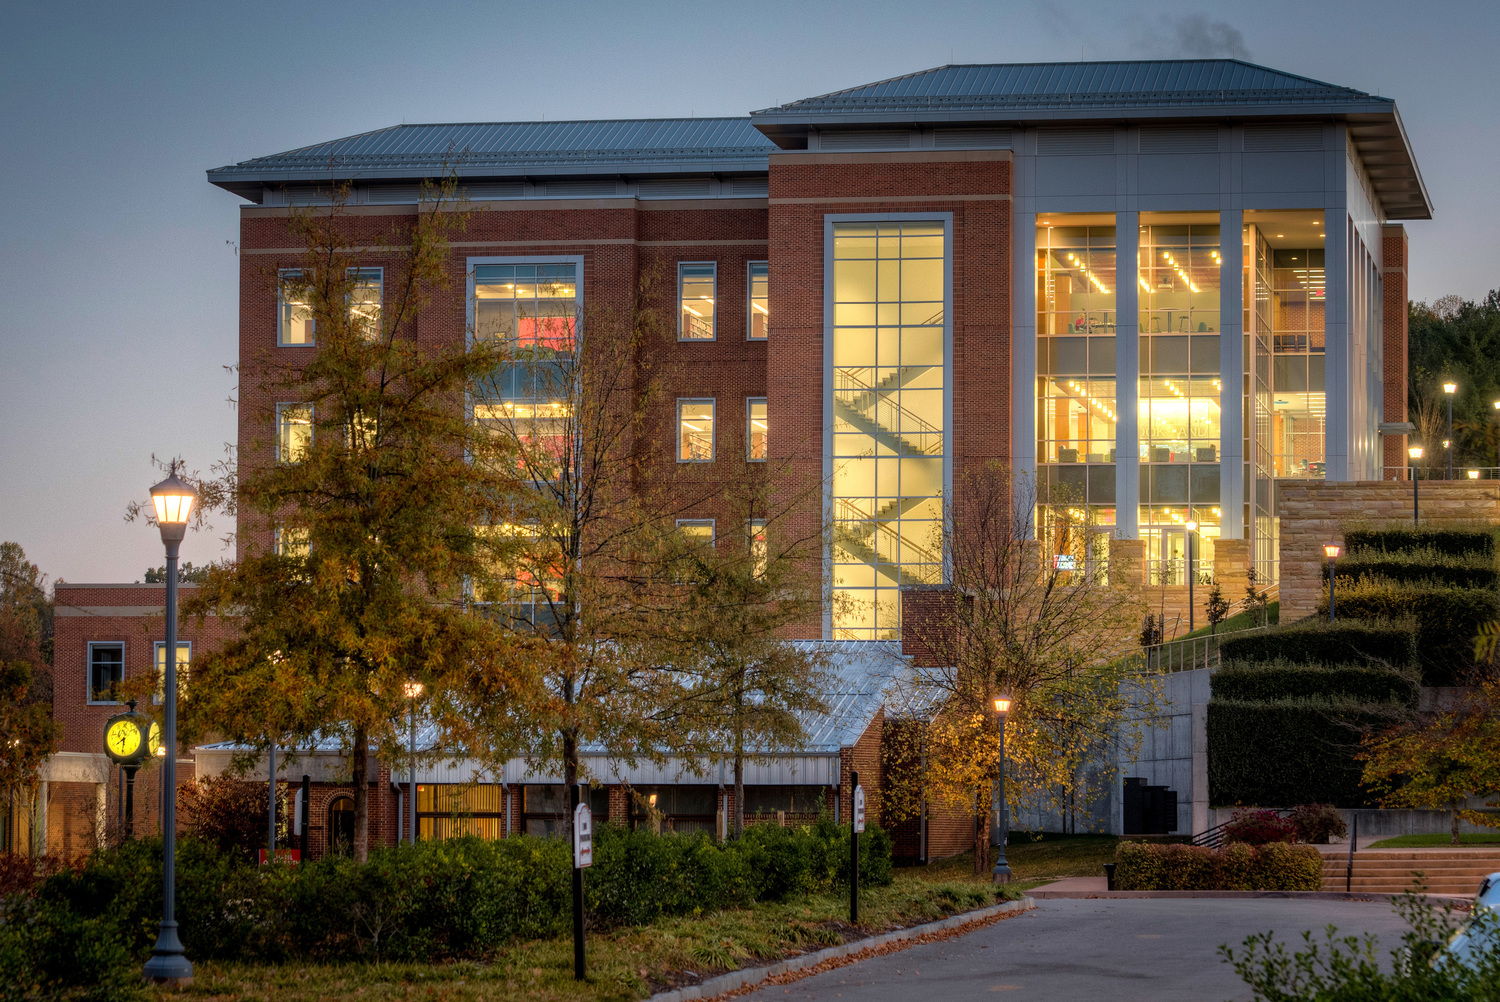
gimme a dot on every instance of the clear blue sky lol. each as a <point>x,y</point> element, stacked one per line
<point>117,276</point>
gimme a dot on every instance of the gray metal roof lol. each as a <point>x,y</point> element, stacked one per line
<point>497,149</point>
<point>1130,91</point>
<point>1115,84</point>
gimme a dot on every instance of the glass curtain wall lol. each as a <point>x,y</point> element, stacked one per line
<point>1259,328</point>
<point>888,291</point>
<point>1076,405</point>
<point>1178,392</point>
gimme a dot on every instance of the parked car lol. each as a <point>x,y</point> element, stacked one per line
<point>1478,940</point>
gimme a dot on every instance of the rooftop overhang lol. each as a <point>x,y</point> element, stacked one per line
<point>1374,128</point>
<point>248,180</point>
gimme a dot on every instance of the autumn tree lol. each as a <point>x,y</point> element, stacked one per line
<point>1441,761</point>
<point>749,688</point>
<point>1028,612</point>
<point>25,675</point>
<point>369,525</point>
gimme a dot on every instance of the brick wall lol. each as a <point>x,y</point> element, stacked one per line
<point>1394,319</point>
<point>1315,512</point>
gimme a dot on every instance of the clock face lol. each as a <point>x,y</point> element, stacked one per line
<point>123,739</point>
<point>153,741</point>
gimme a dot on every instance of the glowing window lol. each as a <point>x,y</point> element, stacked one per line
<point>695,300</point>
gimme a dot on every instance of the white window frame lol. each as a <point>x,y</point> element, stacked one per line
<point>750,300</point>
<point>354,275</point>
<point>312,327</point>
<point>713,528</point>
<point>714,323</point>
<point>88,674</point>
<point>713,431</point>
<point>749,430</point>
<point>161,679</point>
<point>753,528</point>
<point>282,406</point>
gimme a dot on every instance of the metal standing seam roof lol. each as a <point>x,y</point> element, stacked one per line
<point>1116,84</point>
<point>859,673</point>
<point>481,148</point>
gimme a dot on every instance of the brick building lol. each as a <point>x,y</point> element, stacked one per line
<point>1148,291</point>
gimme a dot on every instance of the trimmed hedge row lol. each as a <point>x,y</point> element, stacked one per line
<point>1453,542</point>
<point>1275,866</point>
<point>1447,621</point>
<point>1317,641</point>
<point>1270,681</point>
<point>1290,751</point>
<point>436,900</point>
<point>1430,569</point>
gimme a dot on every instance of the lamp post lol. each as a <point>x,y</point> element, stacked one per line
<point>1000,873</point>
<point>413,691</point>
<point>1473,474</point>
<point>1414,453</point>
<point>173,500</point>
<point>1449,389</point>
<point>1497,446</point>
<point>1192,569</point>
<point>1331,551</point>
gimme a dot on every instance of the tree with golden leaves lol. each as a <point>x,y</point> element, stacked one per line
<point>1028,613</point>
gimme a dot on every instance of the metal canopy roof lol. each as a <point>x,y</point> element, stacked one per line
<point>500,149</point>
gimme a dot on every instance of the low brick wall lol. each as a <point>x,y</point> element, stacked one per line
<point>1315,512</point>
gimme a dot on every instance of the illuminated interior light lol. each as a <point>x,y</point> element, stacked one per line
<point>760,309</point>
<point>689,309</point>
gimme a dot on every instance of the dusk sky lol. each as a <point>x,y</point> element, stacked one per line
<point>117,265</point>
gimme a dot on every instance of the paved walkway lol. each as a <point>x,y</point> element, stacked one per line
<point>1152,950</point>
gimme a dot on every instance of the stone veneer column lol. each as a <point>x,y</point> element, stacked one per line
<point>1127,561</point>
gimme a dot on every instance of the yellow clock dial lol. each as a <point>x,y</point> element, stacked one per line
<point>123,738</point>
<point>153,741</point>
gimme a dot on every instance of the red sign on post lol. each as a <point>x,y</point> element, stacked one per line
<point>583,836</point>
<point>859,808</point>
<point>289,856</point>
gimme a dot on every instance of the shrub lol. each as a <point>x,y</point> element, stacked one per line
<point>1317,823</point>
<point>1268,681</point>
<point>231,813</point>
<point>1425,567</point>
<point>1317,641</point>
<point>1290,751</point>
<point>1448,619</point>
<point>1258,826</point>
<point>1452,542</point>
<point>1141,866</point>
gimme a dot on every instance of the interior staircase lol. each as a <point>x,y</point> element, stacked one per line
<point>1391,871</point>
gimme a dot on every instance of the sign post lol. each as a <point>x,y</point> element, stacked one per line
<point>583,856</point>
<point>856,825</point>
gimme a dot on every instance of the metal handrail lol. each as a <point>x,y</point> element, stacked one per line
<point>846,380</point>
<point>1213,837</point>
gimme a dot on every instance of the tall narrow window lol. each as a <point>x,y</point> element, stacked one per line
<point>294,318</point>
<point>184,664</point>
<point>365,295</point>
<point>293,432</point>
<point>888,345</point>
<point>758,282</point>
<point>106,671</point>
<point>759,546</point>
<point>291,541</point>
<point>755,429</point>
<point>695,300</point>
<point>695,431</point>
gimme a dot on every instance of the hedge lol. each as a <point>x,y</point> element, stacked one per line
<point>1346,641</point>
<point>1286,752</point>
<point>1270,681</point>
<point>1454,542</point>
<point>436,900</point>
<point>1424,568</point>
<point>1141,866</point>
<point>1447,621</point>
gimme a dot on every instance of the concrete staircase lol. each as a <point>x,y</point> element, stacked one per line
<point>1391,871</point>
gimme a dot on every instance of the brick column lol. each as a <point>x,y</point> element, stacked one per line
<point>1393,310</point>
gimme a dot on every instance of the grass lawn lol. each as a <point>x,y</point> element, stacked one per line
<point>1436,840</point>
<point>1033,860</point>
<point>624,964</point>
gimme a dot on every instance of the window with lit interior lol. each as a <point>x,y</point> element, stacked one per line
<point>696,281</point>
<point>294,432</point>
<point>695,431</point>
<point>755,429</point>
<point>758,308</point>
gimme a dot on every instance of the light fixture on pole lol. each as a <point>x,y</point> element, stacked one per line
<point>173,500</point>
<point>1497,414</point>
<point>1000,823</point>
<point>1331,551</point>
<point>1192,568</point>
<point>1414,453</point>
<point>1449,389</point>
<point>413,692</point>
<point>1473,474</point>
